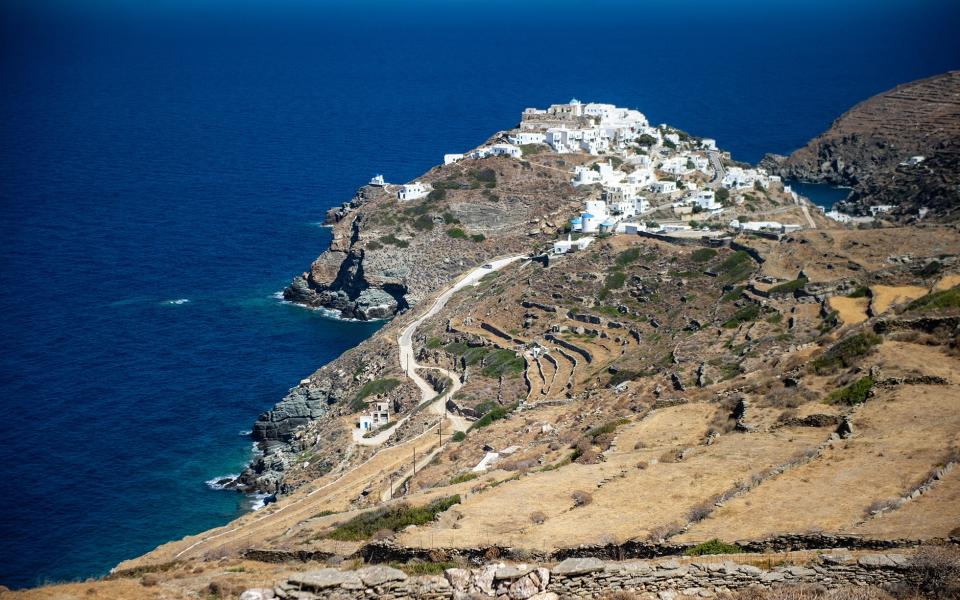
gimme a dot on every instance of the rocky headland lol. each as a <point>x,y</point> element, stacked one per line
<point>864,149</point>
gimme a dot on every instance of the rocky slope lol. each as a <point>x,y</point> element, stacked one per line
<point>388,255</point>
<point>865,146</point>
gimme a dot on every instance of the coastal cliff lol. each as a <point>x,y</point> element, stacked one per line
<point>865,147</point>
<point>388,255</point>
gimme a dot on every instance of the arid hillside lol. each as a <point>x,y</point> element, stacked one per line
<point>865,147</point>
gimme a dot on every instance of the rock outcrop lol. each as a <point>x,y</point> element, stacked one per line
<point>865,147</point>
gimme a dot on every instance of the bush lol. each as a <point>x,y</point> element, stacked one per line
<point>713,546</point>
<point>423,223</point>
<point>437,194</point>
<point>788,287</point>
<point>449,219</point>
<point>938,568</point>
<point>581,498</point>
<point>531,149</point>
<point>855,393</point>
<point>394,241</point>
<point>394,518</point>
<point>459,436</point>
<point>478,237</point>
<point>845,353</point>
<point>861,292</point>
<point>496,414</point>
<point>374,245</point>
<point>615,280</point>
<point>941,300</point>
<point>468,476</point>
<point>722,195</point>
<point>503,363</point>
<point>748,313</point>
<point>628,256</point>
<point>372,388</point>
<point>735,267</point>
<point>702,255</point>
<point>457,233</point>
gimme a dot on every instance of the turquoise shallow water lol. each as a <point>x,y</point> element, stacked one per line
<point>162,174</point>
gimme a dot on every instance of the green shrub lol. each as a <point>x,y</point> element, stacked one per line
<point>374,245</point>
<point>615,280</point>
<point>503,363</point>
<point>722,195</point>
<point>713,546</point>
<point>478,237</point>
<point>606,428</point>
<point>423,223</point>
<point>855,393</point>
<point>394,241</point>
<point>449,219</point>
<point>788,287</point>
<point>434,343</point>
<point>733,294</point>
<point>437,194</point>
<point>457,233</point>
<point>394,518</point>
<point>459,436</point>
<point>646,140</point>
<point>372,388</point>
<point>735,267</point>
<point>930,269</point>
<point>702,255</point>
<point>861,292</point>
<point>628,256</point>
<point>844,353</point>
<point>467,476</point>
<point>423,568</point>
<point>944,299</point>
<point>748,313</point>
<point>495,414</point>
<point>532,149</point>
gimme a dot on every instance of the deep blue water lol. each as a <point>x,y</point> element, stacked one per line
<point>150,155</point>
<point>819,193</point>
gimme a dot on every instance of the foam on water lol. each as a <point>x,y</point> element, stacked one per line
<point>221,482</point>
<point>177,301</point>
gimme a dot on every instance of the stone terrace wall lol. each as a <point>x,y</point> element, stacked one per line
<point>588,578</point>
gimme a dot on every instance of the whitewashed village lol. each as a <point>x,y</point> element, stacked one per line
<point>646,179</point>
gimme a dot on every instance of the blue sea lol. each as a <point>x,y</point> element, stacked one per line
<point>164,168</point>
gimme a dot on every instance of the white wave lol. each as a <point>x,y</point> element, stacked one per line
<point>244,432</point>
<point>330,313</point>
<point>178,301</point>
<point>258,501</point>
<point>220,483</point>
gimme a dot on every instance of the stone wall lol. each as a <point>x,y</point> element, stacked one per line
<point>590,578</point>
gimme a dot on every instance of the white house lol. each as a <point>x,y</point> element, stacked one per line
<point>664,187</point>
<point>449,159</point>
<point>377,181</point>
<point>497,150</point>
<point>528,137</point>
<point>708,143</point>
<point>705,199</point>
<point>568,245</point>
<point>412,191</point>
<point>585,176</point>
<point>380,415</point>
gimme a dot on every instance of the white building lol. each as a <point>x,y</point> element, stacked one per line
<point>496,150</point>
<point>568,245</point>
<point>379,416</point>
<point>449,159</point>
<point>880,209</point>
<point>705,199</point>
<point>774,226</point>
<point>377,181</point>
<point>412,191</point>
<point>708,143</point>
<point>664,187</point>
<point>594,215</point>
<point>527,137</point>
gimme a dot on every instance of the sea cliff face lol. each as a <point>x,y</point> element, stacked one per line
<point>865,147</point>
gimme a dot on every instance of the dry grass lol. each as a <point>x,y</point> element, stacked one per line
<point>850,310</point>
<point>885,296</point>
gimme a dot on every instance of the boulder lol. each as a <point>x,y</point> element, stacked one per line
<point>379,574</point>
<point>577,566</point>
<point>323,579</point>
<point>258,594</point>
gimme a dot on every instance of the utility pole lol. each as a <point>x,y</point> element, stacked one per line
<point>414,460</point>
<point>391,486</point>
<point>440,429</point>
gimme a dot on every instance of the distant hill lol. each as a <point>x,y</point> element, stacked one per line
<point>865,147</point>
